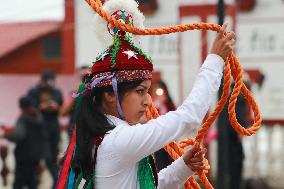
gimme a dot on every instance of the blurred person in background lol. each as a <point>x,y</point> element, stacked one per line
<point>161,98</point>
<point>69,102</point>
<point>163,102</point>
<point>48,99</point>
<point>30,139</point>
<point>234,153</point>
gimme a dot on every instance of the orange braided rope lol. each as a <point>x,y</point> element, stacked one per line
<point>232,67</point>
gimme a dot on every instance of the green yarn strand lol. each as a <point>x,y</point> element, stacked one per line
<point>145,174</point>
<point>78,100</point>
<point>80,177</point>
<point>116,46</point>
<point>88,184</point>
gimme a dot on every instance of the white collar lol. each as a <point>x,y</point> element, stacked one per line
<point>115,120</point>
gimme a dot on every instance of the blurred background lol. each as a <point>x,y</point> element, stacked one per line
<point>45,47</point>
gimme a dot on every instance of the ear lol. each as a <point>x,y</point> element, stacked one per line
<point>109,97</point>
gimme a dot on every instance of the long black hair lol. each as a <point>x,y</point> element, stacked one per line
<point>91,123</point>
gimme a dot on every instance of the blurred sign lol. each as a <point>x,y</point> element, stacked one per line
<point>161,46</point>
<point>260,39</point>
<point>261,46</point>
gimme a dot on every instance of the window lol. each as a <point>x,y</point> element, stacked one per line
<point>52,47</point>
<point>147,6</point>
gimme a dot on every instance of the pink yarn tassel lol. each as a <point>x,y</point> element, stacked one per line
<point>66,165</point>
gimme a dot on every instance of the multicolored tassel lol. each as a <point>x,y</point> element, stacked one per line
<point>62,179</point>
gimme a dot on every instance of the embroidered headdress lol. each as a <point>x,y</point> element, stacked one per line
<point>123,60</point>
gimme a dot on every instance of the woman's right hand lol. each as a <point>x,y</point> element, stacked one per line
<point>224,45</point>
<point>194,158</point>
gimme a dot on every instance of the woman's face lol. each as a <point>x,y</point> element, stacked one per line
<point>135,102</point>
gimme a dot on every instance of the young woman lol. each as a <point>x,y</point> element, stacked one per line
<point>113,150</point>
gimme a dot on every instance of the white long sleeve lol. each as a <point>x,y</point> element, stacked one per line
<point>120,151</point>
<point>144,139</point>
<point>174,175</point>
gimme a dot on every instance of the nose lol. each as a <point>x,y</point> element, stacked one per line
<point>147,100</point>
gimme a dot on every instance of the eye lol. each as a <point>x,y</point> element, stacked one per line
<point>140,91</point>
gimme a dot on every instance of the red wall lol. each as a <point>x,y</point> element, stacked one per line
<point>29,59</point>
<point>68,36</point>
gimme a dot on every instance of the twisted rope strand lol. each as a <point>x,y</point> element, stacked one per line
<point>153,31</point>
<point>225,94</point>
<point>240,87</point>
<point>232,67</point>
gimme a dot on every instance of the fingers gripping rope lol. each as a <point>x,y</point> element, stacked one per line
<point>232,67</point>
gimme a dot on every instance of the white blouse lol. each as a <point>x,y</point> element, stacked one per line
<point>124,146</point>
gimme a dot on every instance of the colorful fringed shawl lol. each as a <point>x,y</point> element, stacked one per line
<point>147,173</point>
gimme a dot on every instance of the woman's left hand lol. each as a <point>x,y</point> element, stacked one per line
<point>195,158</point>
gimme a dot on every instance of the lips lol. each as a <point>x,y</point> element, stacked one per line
<point>142,112</point>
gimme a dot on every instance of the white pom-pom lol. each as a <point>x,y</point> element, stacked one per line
<point>111,6</point>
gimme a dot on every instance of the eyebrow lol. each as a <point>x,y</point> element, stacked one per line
<point>145,87</point>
